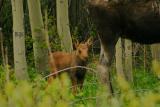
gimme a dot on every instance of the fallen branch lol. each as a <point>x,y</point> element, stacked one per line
<point>55,73</point>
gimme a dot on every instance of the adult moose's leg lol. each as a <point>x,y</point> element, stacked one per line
<point>108,49</point>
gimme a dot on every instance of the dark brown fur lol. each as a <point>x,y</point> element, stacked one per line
<point>138,21</point>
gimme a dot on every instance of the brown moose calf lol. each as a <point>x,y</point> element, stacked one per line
<point>78,57</point>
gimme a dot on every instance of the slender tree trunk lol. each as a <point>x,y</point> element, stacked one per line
<point>51,59</point>
<point>4,52</point>
<point>76,11</point>
<point>79,18</point>
<point>119,62</point>
<point>20,64</point>
<point>38,35</point>
<point>128,60</point>
<point>73,12</point>
<point>135,49</point>
<point>155,49</point>
<point>46,31</point>
<point>7,65</point>
<point>63,25</point>
<point>1,4</point>
<point>2,47</point>
<point>145,58</point>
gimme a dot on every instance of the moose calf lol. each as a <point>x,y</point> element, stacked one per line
<point>78,57</point>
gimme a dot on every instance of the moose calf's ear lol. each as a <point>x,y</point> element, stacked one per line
<point>76,44</point>
<point>90,41</point>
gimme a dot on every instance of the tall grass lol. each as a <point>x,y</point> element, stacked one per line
<point>144,92</point>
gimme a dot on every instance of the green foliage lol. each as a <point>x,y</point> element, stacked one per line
<point>2,77</point>
<point>52,32</point>
<point>6,24</point>
<point>145,80</point>
<point>29,50</point>
<point>38,93</point>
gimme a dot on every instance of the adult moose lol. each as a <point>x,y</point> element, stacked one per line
<point>138,21</point>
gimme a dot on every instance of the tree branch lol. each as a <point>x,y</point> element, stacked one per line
<point>52,74</point>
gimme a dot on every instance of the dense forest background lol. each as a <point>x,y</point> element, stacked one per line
<point>31,29</point>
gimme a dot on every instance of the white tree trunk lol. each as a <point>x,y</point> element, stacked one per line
<point>155,49</point>
<point>119,62</point>
<point>20,64</point>
<point>2,47</point>
<point>63,25</point>
<point>38,35</point>
<point>128,60</point>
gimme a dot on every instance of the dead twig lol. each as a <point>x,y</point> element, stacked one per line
<point>55,73</point>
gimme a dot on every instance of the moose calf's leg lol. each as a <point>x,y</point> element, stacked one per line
<point>74,84</point>
<point>80,83</point>
<point>50,79</point>
<point>80,75</point>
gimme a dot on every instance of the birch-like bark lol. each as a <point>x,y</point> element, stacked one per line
<point>38,36</point>
<point>119,62</point>
<point>128,60</point>
<point>20,65</point>
<point>63,25</point>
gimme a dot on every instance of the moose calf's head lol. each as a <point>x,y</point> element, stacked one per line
<point>82,49</point>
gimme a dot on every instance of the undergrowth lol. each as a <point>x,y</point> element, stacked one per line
<point>143,92</point>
